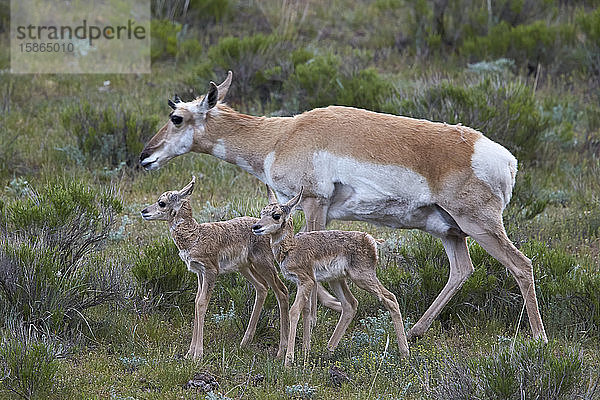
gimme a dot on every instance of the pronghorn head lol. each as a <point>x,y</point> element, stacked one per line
<point>185,127</point>
<point>168,203</point>
<point>275,215</point>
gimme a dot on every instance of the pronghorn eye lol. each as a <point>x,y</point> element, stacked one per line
<point>276,216</point>
<point>162,204</point>
<point>176,119</point>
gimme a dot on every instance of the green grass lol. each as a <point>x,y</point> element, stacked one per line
<point>383,55</point>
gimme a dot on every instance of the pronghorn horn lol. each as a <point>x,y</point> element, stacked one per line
<point>177,99</point>
<point>172,105</point>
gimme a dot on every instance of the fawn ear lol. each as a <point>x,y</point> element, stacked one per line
<point>272,196</point>
<point>188,189</point>
<point>295,200</point>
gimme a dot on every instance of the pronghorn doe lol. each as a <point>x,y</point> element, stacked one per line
<point>324,256</point>
<point>448,180</point>
<point>215,248</point>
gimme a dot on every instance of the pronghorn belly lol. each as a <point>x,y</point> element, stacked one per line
<point>230,259</point>
<point>357,190</point>
<point>330,268</point>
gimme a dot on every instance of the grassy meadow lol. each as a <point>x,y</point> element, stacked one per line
<point>96,304</point>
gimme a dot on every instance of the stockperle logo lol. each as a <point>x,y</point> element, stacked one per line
<point>100,36</point>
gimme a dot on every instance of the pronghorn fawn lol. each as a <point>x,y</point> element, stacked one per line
<point>448,180</point>
<point>215,248</point>
<point>324,256</point>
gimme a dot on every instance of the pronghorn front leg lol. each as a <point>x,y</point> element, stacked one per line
<point>301,301</point>
<point>192,349</point>
<point>208,285</point>
<point>315,212</point>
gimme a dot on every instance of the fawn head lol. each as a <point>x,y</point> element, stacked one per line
<point>185,126</point>
<point>275,215</point>
<point>168,203</point>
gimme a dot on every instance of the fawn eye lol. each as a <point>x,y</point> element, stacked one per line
<point>276,216</point>
<point>176,119</point>
<point>162,204</point>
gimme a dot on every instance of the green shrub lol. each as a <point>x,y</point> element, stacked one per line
<point>364,90</point>
<point>164,39</point>
<point>529,370</point>
<point>506,112</point>
<point>535,43</point>
<point>315,82</point>
<point>29,362</point>
<point>587,55</point>
<point>47,277</point>
<point>111,135</point>
<point>214,9</point>
<point>162,279</point>
<point>258,61</point>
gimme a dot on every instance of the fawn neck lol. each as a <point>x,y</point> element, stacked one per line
<point>183,227</point>
<point>283,241</point>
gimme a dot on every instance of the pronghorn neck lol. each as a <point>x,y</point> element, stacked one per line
<point>183,227</point>
<point>241,139</point>
<point>283,241</point>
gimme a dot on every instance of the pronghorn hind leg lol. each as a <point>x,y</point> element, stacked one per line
<point>349,306</point>
<point>460,269</point>
<point>492,237</point>
<point>260,287</point>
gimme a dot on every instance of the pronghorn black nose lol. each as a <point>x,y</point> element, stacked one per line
<point>256,227</point>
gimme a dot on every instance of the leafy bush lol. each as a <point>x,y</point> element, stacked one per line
<point>587,55</point>
<point>29,362</point>
<point>214,9</point>
<point>162,279</point>
<point>506,112</point>
<point>314,82</point>
<point>534,43</point>
<point>164,39</point>
<point>530,369</point>
<point>111,135</point>
<point>46,276</point>
<point>319,81</point>
<point>258,61</point>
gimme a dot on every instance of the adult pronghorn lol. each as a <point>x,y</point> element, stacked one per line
<point>448,180</point>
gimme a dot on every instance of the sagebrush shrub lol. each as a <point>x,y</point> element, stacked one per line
<point>259,63</point>
<point>530,369</point>
<point>111,135</point>
<point>162,279</point>
<point>29,361</point>
<point>46,275</point>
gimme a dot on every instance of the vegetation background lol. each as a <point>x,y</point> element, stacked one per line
<point>95,304</point>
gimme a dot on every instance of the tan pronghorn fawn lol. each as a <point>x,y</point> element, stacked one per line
<point>215,248</point>
<point>324,256</point>
<point>448,180</point>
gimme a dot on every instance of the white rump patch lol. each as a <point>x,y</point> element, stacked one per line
<point>496,166</point>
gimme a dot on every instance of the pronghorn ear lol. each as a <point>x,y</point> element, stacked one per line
<point>210,100</point>
<point>188,189</point>
<point>294,200</point>
<point>224,87</point>
<point>271,195</point>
